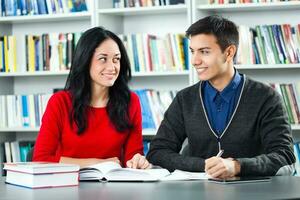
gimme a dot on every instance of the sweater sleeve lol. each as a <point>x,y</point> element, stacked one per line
<point>47,143</point>
<point>166,145</point>
<point>275,132</point>
<point>134,141</point>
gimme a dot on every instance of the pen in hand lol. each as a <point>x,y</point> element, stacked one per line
<point>221,151</point>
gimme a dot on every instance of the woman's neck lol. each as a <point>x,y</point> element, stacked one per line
<point>100,97</point>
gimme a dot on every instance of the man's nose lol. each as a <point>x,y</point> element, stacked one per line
<point>196,60</point>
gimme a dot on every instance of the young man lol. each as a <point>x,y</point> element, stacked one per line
<point>225,111</point>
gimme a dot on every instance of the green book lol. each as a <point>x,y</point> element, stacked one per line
<point>287,103</point>
<point>262,45</point>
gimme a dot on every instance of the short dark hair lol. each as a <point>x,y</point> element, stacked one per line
<point>225,31</point>
<point>79,81</point>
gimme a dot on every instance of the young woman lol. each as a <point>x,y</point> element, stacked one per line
<point>95,118</point>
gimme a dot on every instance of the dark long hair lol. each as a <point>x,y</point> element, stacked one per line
<point>79,82</point>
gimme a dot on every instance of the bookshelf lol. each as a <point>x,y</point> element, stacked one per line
<point>252,14</point>
<point>121,21</point>
<point>156,20</point>
<point>42,81</point>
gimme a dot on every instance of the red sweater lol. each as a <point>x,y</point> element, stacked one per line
<point>99,140</point>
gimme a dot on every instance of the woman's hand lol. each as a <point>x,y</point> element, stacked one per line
<point>138,162</point>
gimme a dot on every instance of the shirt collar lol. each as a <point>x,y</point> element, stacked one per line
<point>227,92</point>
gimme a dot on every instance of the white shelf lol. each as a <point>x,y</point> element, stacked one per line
<point>251,6</point>
<point>41,73</point>
<point>46,18</point>
<point>170,73</point>
<point>181,8</point>
<point>296,127</point>
<point>162,73</point>
<point>268,66</point>
<point>20,129</point>
<point>51,73</point>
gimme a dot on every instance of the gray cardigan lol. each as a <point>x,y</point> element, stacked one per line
<point>258,134</point>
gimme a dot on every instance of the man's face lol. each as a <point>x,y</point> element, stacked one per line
<point>208,59</point>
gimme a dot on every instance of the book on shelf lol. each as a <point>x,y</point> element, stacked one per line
<point>290,94</point>
<point>269,44</point>
<point>16,151</point>
<point>157,53</point>
<point>41,174</point>
<point>297,155</point>
<point>112,171</point>
<point>144,3</point>
<point>154,104</point>
<point>43,52</point>
<point>41,7</point>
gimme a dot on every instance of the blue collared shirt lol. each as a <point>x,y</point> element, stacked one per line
<point>220,106</point>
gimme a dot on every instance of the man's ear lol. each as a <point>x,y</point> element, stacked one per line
<point>230,52</point>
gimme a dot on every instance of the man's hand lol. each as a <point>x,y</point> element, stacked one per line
<point>138,162</point>
<point>218,167</point>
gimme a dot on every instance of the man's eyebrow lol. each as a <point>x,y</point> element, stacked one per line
<point>202,48</point>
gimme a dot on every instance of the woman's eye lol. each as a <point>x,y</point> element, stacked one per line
<point>116,60</point>
<point>102,59</point>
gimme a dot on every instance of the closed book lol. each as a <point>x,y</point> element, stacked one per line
<point>41,174</point>
<point>112,171</point>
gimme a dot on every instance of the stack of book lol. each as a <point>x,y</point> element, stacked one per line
<point>41,174</point>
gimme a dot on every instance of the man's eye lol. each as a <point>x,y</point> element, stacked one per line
<point>204,52</point>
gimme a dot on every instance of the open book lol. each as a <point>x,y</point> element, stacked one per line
<point>179,175</point>
<point>112,171</point>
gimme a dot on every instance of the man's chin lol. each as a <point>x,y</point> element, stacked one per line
<point>203,78</point>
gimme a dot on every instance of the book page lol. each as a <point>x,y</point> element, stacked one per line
<point>97,171</point>
<point>128,174</point>
<point>184,175</point>
<point>105,167</point>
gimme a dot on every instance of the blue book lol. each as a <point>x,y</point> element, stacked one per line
<point>25,110</point>
<point>146,147</point>
<point>174,2</point>
<point>19,7</point>
<point>255,50</point>
<point>297,150</point>
<point>10,7</point>
<point>42,7</point>
<point>3,11</point>
<point>135,53</point>
<point>24,7</point>
<point>23,152</point>
<point>79,5</point>
<point>186,53</point>
<point>36,109</point>
<point>3,56</point>
<point>147,118</point>
<point>37,50</point>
